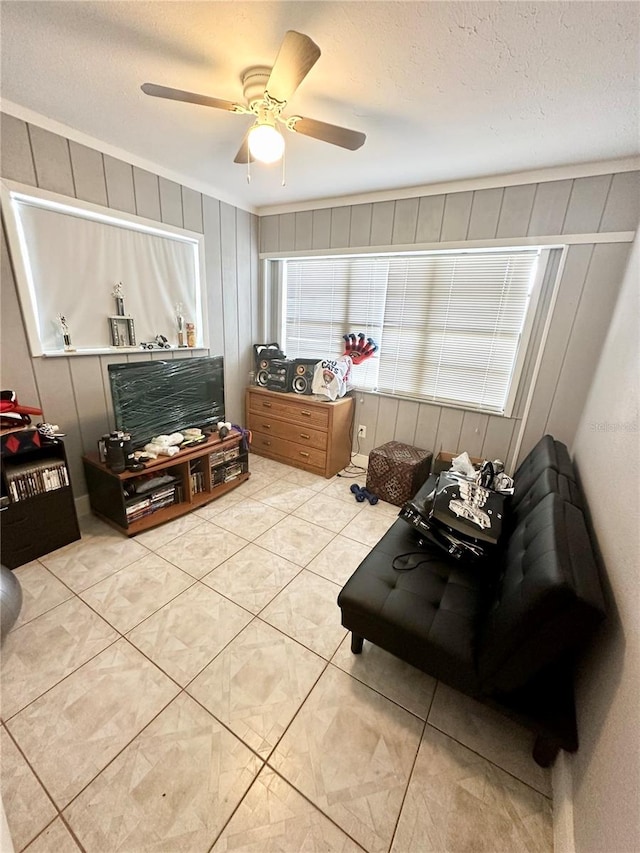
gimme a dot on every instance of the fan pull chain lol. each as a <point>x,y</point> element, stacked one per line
<point>248,168</point>
<point>284,179</point>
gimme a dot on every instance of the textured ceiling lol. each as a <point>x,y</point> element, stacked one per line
<point>443,90</point>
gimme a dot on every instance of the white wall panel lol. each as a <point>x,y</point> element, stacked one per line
<point>147,192</point>
<point>321,229</point>
<point>192,209</point>
<point>52,161</point>
<point>88,174</point>
<point>427,427</point>
<point>361,224</point>
<point>119,177</point>
<point>622,210</point>
<point>340,227</point>
<point>430,214</point>
<point>405,221</point>
<point>586,204</point>
<point>382,223</point>
<point>485,211</point>
<point>515,213</point>
<point>171,203</point>
<point>549,207</point>
<point>304,229</point>
<point>15,147</point>
<point>457,211</point>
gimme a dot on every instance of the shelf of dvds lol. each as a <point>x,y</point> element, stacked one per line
<point>168,487</point>
<point>38,510</point>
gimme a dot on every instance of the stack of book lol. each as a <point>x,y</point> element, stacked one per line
<point>197,482</point>
<point>28,479</point>
<point>152,503</point>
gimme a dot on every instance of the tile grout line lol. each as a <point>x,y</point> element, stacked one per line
<point>184,689</point>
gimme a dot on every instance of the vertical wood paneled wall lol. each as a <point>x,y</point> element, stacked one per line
<point>74,391</point>
<point>588,291</point>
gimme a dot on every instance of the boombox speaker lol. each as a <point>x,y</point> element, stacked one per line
<point>279,374</point>
<point>302,380</point>
<point>264,355</point>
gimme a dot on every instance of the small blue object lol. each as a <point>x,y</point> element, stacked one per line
<point>361,495</point>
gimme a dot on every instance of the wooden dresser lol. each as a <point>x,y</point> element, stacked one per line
<point>299,430</point>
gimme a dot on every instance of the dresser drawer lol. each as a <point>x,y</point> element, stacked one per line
<point>288,451</point>
<point>291,432</point>
<point>291,410</point>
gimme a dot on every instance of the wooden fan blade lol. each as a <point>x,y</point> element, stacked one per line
<point>244,155</point>
<point>332,133</point>
<point>296,57</point>
<point>189,97</point>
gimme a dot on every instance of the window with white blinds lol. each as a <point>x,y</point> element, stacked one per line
<point>450,326</point>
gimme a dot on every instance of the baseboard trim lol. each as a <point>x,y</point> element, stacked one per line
<point>562,786</point>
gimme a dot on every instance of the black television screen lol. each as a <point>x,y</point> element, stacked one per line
<point>158,397</point>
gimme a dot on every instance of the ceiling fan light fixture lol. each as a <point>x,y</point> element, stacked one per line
<point>266,143</point>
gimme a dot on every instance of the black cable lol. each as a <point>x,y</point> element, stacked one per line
<point>352,471</point>
<point>407,568</point>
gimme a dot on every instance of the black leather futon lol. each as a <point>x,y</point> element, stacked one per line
<point>505,630</point>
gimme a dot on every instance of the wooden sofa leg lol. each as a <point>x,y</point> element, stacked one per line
<point>356,643</point>
<point>545,751</point>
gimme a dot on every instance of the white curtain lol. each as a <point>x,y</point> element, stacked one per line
<point>76,262</point>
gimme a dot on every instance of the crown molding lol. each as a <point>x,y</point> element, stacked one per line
<point>32,117</point>
<point>511,179</point>
<point>553,173</point>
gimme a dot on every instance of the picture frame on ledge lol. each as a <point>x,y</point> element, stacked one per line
<point>122,331</point>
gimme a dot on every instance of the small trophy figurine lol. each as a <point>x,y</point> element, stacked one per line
<point>180,324</point>
<point>66,334</point>
<point>118,295</point>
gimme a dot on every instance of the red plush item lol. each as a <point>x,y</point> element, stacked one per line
<point>12,414</point>
<point>359,349</point>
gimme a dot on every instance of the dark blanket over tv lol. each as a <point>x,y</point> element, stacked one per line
<point>158,397</point>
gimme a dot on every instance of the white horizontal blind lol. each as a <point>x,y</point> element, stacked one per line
<point>452,325</point>
<point>448,324</point>
<point>327,298</point>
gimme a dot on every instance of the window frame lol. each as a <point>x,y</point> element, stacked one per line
<point>275,297</point>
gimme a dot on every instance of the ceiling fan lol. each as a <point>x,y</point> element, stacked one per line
<point>267,91</point>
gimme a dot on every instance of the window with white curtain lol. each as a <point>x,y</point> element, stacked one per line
<point>451,327</point>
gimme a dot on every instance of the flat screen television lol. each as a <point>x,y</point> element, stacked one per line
<point>158,397</point>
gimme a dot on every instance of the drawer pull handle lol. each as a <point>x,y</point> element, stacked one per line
<point>267,443</point>
<point>302,453</point>
<point>266,405</point>
<point>305,413</point>
<point>266,426</point>
<point>304,435</point>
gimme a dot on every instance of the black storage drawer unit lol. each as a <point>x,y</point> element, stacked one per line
<point>38,511</point>
<point>34,527</point>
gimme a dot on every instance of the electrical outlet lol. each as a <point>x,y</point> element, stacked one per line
<point>362,431</point>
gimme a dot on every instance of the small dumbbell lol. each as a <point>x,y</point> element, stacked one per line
<point>361,495</point>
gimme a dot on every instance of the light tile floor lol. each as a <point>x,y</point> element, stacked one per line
<point>193,690</point>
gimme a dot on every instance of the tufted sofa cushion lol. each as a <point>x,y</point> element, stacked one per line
<point>548,482</point>
<point>428,616</point>
<point>548,453</point>
<point>548,599</point>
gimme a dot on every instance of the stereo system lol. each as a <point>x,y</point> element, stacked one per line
<point>277,373</point>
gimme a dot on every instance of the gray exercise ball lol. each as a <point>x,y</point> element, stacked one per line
<point>10,599</point>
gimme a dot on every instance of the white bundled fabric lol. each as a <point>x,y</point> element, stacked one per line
<point>168,440</point>
<point>332,377</point>
<point>154,450</point>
